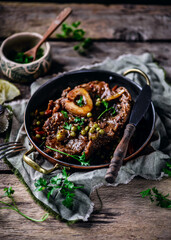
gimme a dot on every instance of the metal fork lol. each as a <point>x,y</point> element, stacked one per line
<point>10,148</point>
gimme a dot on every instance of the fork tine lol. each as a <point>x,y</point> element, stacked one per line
<point>11,151</point>
<point>6,145</point>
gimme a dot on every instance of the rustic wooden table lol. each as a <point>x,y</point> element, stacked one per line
<point>116,29</point>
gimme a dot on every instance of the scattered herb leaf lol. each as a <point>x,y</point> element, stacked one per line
<point>9,193</point>
<point>154,194</point>
<point>72,31</point>
<point>168,169</point>
<point>67,126</point>
<point>81,159</point>
<point>65,187</point>
<point>65,114</point>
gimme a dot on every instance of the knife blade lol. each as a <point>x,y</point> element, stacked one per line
<point>138,111</point>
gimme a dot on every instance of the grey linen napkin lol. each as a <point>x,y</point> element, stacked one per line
<point>147,166</point>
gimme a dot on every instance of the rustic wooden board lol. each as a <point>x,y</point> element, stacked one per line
<point>125,215</point>
<point>120,22</point>
<point>65,58</point>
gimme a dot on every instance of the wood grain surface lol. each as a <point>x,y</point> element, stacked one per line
<point>125,215</point>
<point>116,29</point>
<point>120,22</point>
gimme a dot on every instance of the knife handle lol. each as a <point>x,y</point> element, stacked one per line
<point>119,154</point>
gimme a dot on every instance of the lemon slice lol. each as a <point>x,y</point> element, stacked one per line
<point>8,91</point>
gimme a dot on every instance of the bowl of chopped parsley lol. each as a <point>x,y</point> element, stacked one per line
<point>19,67</point>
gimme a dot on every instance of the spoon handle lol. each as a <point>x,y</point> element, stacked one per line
<point>56,23</point>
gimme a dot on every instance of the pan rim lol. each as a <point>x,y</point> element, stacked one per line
<point>91,167</point>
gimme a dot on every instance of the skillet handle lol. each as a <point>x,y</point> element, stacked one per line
<point>136,70</point>
<point>34,165</point>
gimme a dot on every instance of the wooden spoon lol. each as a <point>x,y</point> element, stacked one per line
<point>56,23</point>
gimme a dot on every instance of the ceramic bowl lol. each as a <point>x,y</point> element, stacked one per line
<point>19,72</point>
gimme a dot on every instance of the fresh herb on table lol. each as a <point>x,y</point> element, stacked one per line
<point>20,57</point>
<point>65,114</point>
<point>80,102</point>
<point>81,159</point>
<point>154,195</point>
<point>80,122</point>
<point>67,126</point>
<point>168,169</point>
<point>9,193</point>
<point>65,187</point>
<point>106,105</point>
<point>72,31</point>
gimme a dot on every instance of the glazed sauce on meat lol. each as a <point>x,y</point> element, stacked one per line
<point>88,120</point>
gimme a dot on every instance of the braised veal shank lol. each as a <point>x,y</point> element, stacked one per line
<point>85,119</point>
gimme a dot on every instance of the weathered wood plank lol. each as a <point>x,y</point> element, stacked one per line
<point>125,215</point>
<point>120,22</point>
<point>65,58</point>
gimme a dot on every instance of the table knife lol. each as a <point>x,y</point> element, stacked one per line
<point>138,111</point>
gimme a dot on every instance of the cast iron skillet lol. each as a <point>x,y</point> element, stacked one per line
<point>52,90</point>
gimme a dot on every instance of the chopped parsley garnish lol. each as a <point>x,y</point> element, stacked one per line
<point>67,126</point>
<point>20,57</point>
<point>65,114</point>
<point>79,120</point>
<point>80,101</point>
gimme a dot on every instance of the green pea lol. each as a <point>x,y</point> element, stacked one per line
<point>74,129</point>
<point>38,136</point>
<point>42,113</point>
<point>87,128</point>
<point>43,138</point>
<point>98,104</point>
<point>92,130</point>
<point>101,131</point>
<point>94,137</point>
<point>98,129</point>
<point>61,135</point>
<point>73,134</point>
<point>83,132</point>
<point>38,123</point>
<point>95,125</point>
<point>89,114</point>
<point>98,100</point>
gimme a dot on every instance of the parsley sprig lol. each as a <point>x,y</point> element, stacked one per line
<point>81,159</point>
<point>154,195</point>
<point>13,206</point>
<point>65,187</point>
<point>72,31</point>
<point>106,105</point>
